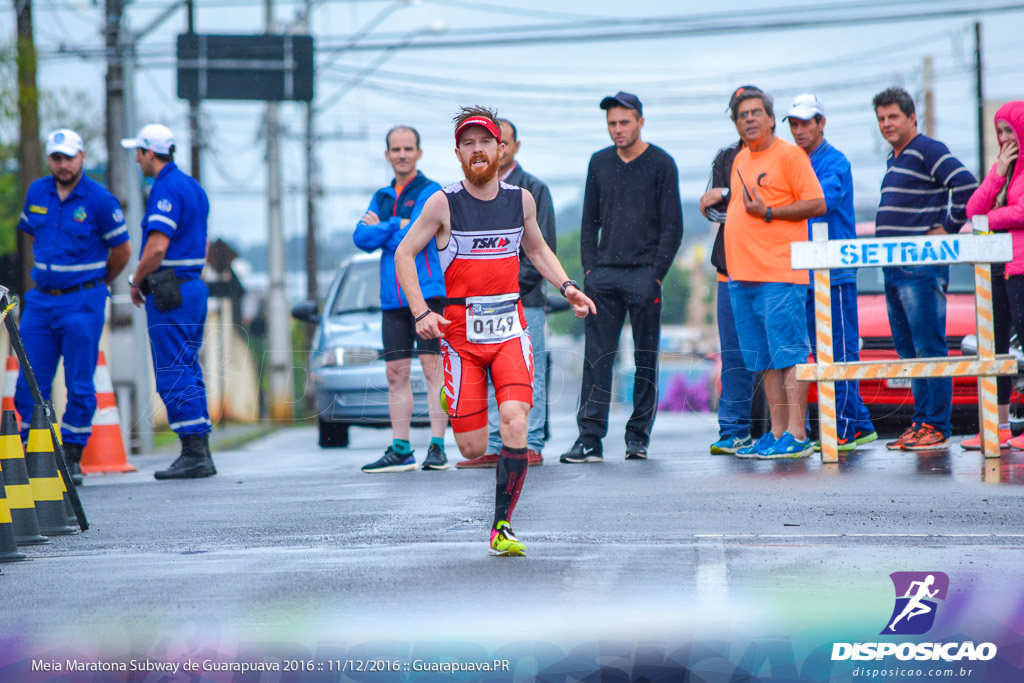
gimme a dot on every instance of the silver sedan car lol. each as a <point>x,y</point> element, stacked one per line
<point>345,361</point>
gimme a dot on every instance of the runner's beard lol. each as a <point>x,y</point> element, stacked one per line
<point>480,176</point>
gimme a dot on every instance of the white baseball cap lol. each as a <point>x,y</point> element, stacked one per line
<point>64,141</point>
<point>153,137</point>
<point>805,107</point>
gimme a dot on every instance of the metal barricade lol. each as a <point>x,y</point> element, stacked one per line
<point>981,248</point>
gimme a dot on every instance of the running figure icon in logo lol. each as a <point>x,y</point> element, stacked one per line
<point>914,591</point>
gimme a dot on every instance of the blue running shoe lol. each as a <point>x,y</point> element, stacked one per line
<point>763,444</point>
<point>730,444</point>
<point>391,462</point>
<point>787,448</point>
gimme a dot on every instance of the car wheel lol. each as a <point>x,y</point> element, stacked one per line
<point>333,435</point>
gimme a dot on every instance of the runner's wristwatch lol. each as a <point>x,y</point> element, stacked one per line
<point>566,284</point>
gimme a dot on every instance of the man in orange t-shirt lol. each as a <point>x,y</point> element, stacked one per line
<point>774,190</point>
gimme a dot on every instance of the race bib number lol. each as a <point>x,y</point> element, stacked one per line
<point>492,319</point>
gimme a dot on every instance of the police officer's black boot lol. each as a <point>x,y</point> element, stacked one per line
<point>73,459</point>
<point>194,462</point>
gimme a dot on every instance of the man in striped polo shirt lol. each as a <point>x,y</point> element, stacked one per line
<point>924,192</point>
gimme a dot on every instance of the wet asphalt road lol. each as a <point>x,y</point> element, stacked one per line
<point>291,541</point>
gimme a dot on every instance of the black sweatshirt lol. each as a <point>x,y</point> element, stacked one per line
<point>632,214</point>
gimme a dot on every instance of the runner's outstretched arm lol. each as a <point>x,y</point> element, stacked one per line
<point>545,261</point>
<point>434,222</point>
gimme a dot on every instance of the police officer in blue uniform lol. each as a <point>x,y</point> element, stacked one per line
<point>167,282</point>
<point>80,244</point>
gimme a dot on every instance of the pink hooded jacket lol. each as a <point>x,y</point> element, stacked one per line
<point>1011,216</point>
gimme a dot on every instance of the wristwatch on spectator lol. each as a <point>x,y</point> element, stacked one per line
<point>768,215</point>
<point>566,285</point>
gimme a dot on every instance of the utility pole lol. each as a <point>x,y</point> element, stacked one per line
<point>30,152</point>
<point>980,94</point>
<point>312,188</point>
<point>279,347</point>
<point>928,76</point>
<point>193,106</point>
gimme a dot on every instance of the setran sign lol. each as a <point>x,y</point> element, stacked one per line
<point>231,67</point>
<point>926,250</point>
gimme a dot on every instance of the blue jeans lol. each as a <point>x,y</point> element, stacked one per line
<point>535,425</point>
<point>737,381</point>
<point>916,299</point>
<point>851,414</point>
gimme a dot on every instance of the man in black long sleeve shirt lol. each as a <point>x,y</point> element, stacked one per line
<point>632,228</point>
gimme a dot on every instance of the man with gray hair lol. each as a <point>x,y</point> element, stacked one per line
<point>773,193</point>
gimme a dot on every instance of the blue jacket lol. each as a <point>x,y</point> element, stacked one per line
<point>388,234</point>
<point>833,171</point>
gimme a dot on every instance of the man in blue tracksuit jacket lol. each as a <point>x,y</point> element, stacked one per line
<point>80,244</point>
<point>392,210</point>
<point>167,282</point>
<point>807,124</point>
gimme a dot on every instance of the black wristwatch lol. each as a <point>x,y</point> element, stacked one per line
<point>566,284</point>
<point>768,215</point>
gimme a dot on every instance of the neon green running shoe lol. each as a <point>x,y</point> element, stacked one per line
<point>504,542</point>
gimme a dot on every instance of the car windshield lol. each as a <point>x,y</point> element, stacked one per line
<point>961,280</point>
<point>360,288</point>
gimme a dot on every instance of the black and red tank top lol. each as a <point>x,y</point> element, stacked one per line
<point>482,256</point>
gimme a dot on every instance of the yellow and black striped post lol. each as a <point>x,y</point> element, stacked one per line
<point>8,546</point>
<point>43,477</point>
<point>988,397</point>
<point>827,430</point>
<point>19,492</point>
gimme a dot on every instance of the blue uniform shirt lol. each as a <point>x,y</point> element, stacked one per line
<point>72,238</point>
<point>833,171</point>
<point>178,207</point>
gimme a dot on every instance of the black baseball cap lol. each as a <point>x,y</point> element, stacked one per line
<point>623,99</point>
<point>739,91</point>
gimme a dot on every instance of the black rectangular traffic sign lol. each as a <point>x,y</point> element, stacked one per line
<point>254,67</point>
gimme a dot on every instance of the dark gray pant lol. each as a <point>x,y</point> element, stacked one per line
<point>617,291</point>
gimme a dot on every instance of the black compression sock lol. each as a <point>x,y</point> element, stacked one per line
<point>511,471</point>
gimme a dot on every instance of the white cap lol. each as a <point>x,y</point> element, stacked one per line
<point>64,141</point>
<point>804,107</point>
<point>153,137</point>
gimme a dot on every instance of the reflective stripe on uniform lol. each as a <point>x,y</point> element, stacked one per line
<point>75,430</point>
<point>184,262</point>
<point>115,232</point>
<point>162,219</point>
<point>189,423</point>
<point>77,269</point>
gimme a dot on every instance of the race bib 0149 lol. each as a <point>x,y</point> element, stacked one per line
<point>492,319</point>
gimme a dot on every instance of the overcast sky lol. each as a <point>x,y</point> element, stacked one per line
<point>550,90</point>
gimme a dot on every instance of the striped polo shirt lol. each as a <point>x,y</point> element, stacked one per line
<point>925,187</point>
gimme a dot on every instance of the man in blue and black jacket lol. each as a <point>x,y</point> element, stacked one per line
<point>392,210</point>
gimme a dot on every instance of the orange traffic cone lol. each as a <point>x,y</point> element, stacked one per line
<point>10,384</point>
<point>105,450</point>
<point>47,484</point>
<point>19,492</point>
<point>8,546</point>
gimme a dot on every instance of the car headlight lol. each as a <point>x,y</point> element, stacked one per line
<point>343,356</point>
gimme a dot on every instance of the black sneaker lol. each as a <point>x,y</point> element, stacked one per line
<point>392,462</point>
<point>635,451</point>
<point>435,459</point>
<point>580,453</point>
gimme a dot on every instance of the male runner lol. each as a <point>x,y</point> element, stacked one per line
<point>478,225</point>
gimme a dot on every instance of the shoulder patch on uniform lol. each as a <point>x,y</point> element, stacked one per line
<point>118,216</point>
<point>453,188</point>
<point>80,214</point>
<point>164,205</point>
<point>506,186</point>
<point>35,208</point>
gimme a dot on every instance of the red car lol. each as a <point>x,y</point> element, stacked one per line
<point>890,401</point>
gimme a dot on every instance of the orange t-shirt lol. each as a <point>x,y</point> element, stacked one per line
<point>754,250</point>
